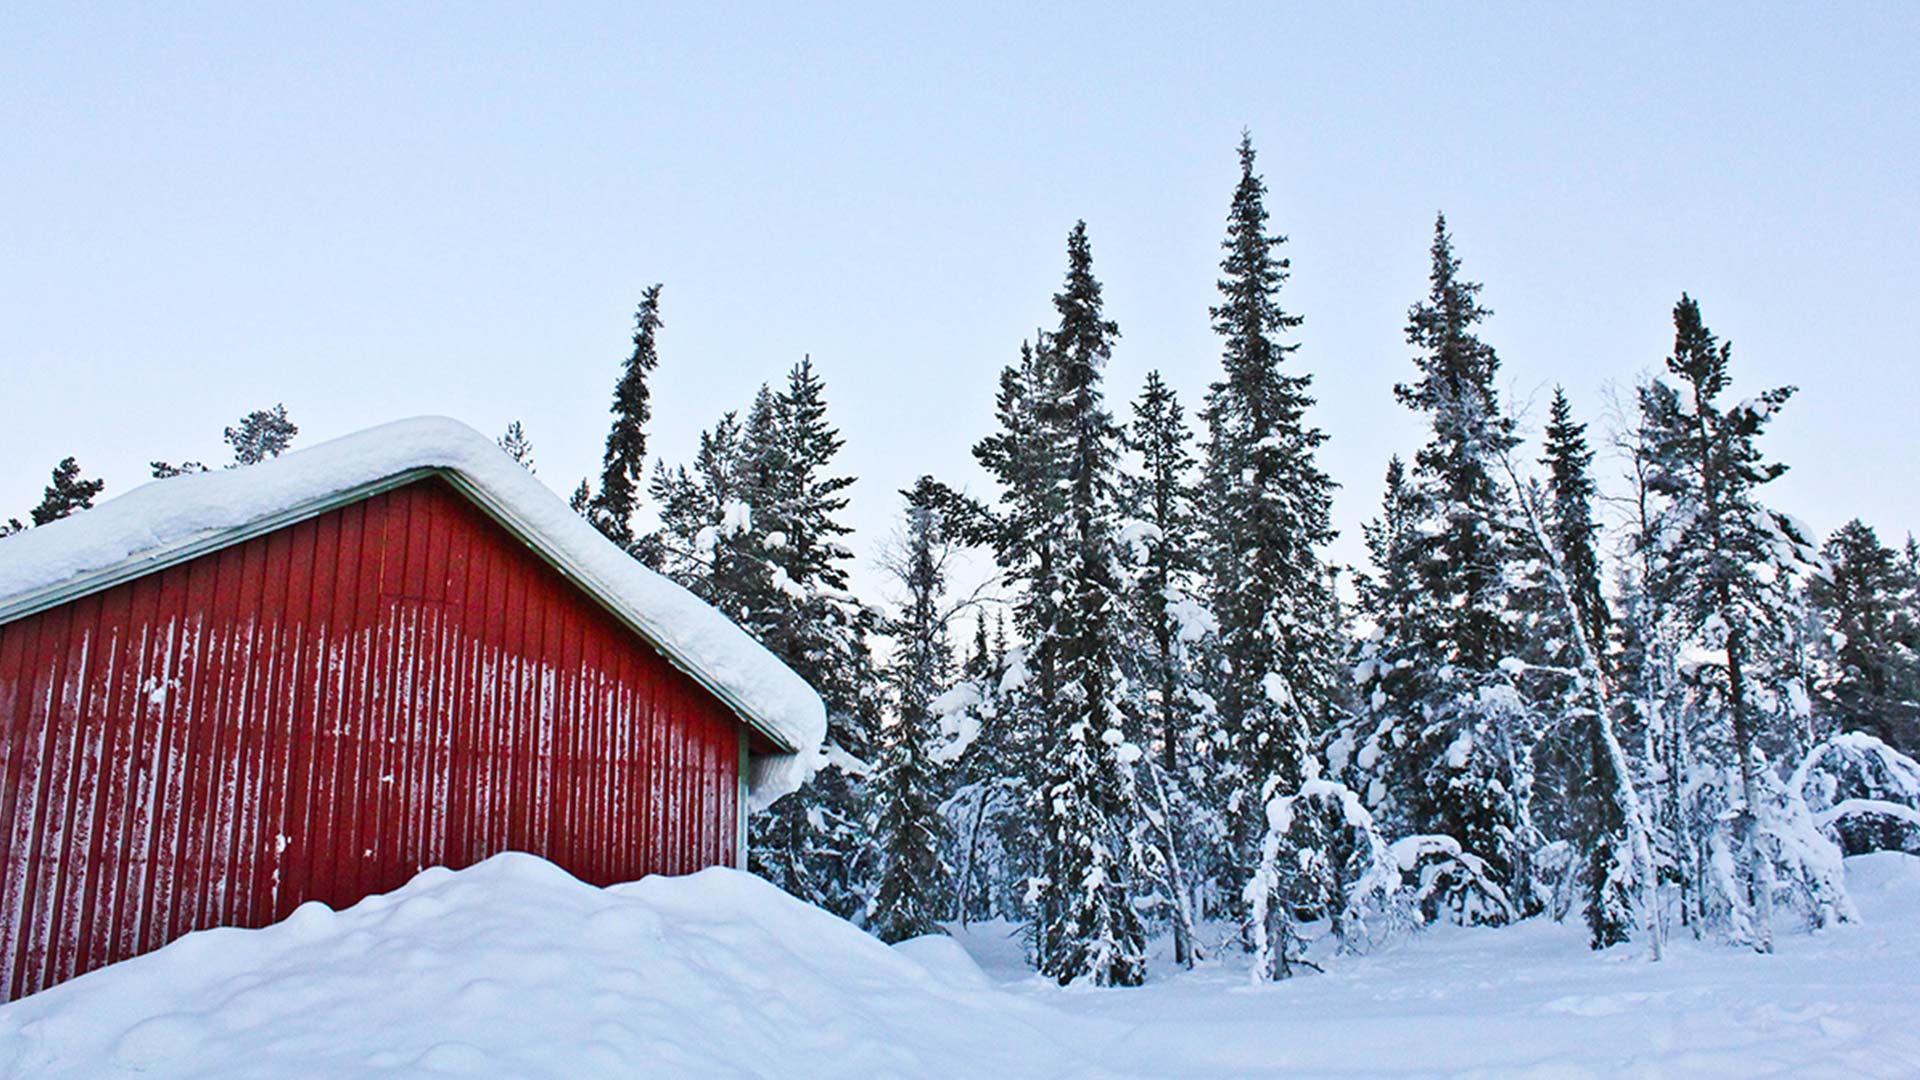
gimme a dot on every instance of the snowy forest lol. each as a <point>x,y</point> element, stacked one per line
<point>1167,721</point>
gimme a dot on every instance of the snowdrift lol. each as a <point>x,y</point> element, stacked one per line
<point>512,968</point>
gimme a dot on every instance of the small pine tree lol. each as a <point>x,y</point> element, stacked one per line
<point>581,499</point>
<point>68,494</point>
<point>1385,593</point>
<point>1160,497</point>
<point>261,434</point>
<point>517,446</point>
<point>1572,492</point>
<point>626,458</point>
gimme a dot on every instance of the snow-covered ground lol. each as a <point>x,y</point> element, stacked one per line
<point>513,969</point>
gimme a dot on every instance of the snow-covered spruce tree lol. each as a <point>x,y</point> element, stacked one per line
<point>1448,746</point>
<point>1275,659</point>
<point>791,576</point>
<point>1002,771</point>
<point>516,445</point>
<point>702,519</point>
<point>625,462</point>
<point>912,890</point>
<point>1165,622</point>
<point>1723,577</point>
<point>1056,539</point>
<point>752,528</point>
<point>1025,457</point>
<point>1158,502</point>
<point>1570,519</point>
<point>1090,929</point>
<point>69,493</point>
<point>1871,676</point>
<point>1386,593</point>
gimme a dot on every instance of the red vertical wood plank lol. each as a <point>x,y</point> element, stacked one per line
<point>516,645</point>
<point>658,693</point>
<point>620,777</point>
<point>63,854</point>
<point>240,739</point>
<point>492,717</point>
<point>22,663</point>
<point>457,766</point>
<point>675,765</point>
<point>108,701</point>
<point>258,721</point>
<point>166,787</point>
<point>133,714</point>
<point>336,570</point>
<point>515,742</point>
<point>311,584</point>
<point>338,799</point>
<point>390,712</point>
<point>553,648</point>
<point>578,721</point>
<point>358,792</point>
<point>709,797</point>
<point>456,769</point>
<point>225,666</point>
<point>289,738</point>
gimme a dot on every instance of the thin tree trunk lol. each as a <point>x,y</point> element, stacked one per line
<point>1184,952</point>
<point>973,848</point>
<point>1759,869</point>
<point>1639,828</point>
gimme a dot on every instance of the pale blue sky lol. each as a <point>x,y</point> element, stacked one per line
<point>452,209</point>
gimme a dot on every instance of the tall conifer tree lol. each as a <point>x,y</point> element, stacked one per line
<point>1445,705</point>
<point>1090,929</point>
<point>1276,659</point>
<point>624,465</point>
<point>912,888</point>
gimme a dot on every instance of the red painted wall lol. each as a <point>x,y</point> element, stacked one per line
<point>317,714</point>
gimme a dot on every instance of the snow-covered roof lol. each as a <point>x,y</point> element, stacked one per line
<point>170,521</point>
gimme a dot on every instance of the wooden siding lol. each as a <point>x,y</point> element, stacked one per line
<point>318,714</point>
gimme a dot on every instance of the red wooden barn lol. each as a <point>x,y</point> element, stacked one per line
<point>224,695</point>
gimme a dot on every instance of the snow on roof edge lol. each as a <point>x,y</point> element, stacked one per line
<point>171,520</point>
